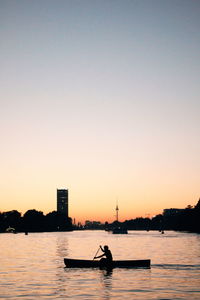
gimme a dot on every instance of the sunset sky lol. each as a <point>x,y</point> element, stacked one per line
<point>103,98</point>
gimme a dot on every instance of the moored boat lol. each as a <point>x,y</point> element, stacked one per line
<point>119,230</point>
<point>82,263</point>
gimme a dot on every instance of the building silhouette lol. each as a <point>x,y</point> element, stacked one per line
<point>62,202</point>
<point>168,212</point>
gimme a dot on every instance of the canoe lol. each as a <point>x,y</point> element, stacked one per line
<point>82,263</point>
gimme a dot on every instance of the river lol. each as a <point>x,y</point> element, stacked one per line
<point>31,266</point>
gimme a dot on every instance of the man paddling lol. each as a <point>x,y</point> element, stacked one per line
<point>107,253</point>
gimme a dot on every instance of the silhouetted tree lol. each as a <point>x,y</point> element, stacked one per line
<point>157,222</point>
<point>196,220</point>
<point>2,228</point>
<point>51,221</point>
<point>197,207</point>
<point>33,220</point>
<point>55,221</point>
<point>10,219</point>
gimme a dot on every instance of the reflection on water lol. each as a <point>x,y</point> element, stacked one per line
<point>32,266</point>
<point>106,281</point>
<point>62,246</point>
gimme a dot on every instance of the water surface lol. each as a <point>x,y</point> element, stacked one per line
<point>31,266</point>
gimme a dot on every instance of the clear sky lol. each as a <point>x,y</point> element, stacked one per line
<point>103,98</point>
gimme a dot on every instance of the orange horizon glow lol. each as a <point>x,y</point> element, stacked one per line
<point>103,100</point>
<point>103,210</point>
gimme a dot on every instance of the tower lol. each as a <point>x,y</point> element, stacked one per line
<point>62,201</point>
<point>117,210</point>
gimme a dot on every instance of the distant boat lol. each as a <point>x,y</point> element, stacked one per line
<point>82,263</point>
<point>119,230</point>
<point>11,230</point>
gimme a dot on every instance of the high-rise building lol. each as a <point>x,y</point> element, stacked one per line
<point>62,201</point>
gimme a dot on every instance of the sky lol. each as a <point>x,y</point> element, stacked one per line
<point>101,98</point>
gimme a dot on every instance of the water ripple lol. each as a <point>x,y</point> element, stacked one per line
<point>35,269</point>
<point>176,266</point>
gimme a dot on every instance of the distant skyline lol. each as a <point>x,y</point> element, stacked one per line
<point>100,98</point>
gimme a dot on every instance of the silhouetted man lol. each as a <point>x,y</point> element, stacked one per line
<point>107,253</point>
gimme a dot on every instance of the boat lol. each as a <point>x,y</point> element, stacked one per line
<point>11,230</point>
<point>119,230</point>
<point>82,263</point>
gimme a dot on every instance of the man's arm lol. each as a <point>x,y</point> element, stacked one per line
<point>99,256</point>
<point>101,248</point>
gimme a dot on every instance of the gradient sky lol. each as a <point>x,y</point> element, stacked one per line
<point>100,97</point>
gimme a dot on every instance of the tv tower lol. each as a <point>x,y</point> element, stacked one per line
<point>117,209</point>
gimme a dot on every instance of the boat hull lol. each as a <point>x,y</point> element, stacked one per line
<point>119,231</point>
<point>81,263</point>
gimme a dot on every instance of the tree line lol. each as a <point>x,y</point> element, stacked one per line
<point>34,221</point>
<point>187,219</point>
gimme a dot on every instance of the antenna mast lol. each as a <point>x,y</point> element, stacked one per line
<point>117,209</point>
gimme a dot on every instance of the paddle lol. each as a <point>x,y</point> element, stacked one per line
<point>96,252</point>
